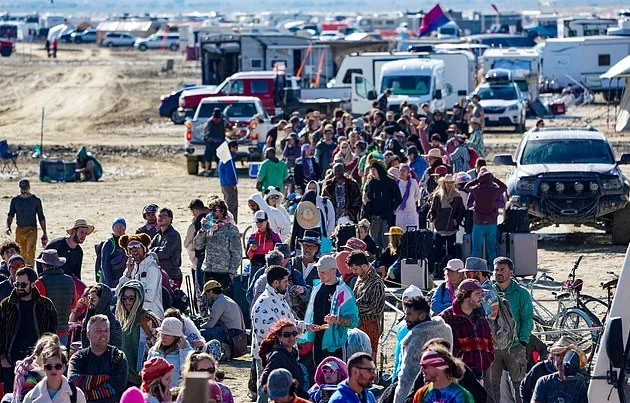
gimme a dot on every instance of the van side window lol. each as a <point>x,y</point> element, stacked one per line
<point>603,60</point>
<point>235,88</point>
<point>347,79</point>
<point>260,86</point>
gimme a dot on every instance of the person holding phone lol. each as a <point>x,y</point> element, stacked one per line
<point>260,242</point>
<point>157,374</point>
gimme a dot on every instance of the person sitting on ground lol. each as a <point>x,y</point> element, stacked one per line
<point>198,361</point>
<point>138,327</point>
<point>99,370</point>
<point>328,375</point>
<point>445,293</point>
<point>87,166</point>
<point>172,346</point>
<point>193,335</point>
<point>226,319</point>
<point>54,388</point>
<point>100,298</point>
<point>157,374</point>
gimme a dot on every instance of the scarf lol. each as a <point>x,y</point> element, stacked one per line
<point>307,163</point>
<point>403,203</point>
<point>451,290</point>
<point>220,224</point>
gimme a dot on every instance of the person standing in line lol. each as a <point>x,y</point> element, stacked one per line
<point>69,247</point>
<point>167,246</point>
<point>382,100</point>
<point>27,207</point>
<point>229,180</point>
<point>151,226</point>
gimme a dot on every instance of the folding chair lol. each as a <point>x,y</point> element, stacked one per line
<point>8,158</point>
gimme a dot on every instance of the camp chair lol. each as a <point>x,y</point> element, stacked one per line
<point>8,158</point>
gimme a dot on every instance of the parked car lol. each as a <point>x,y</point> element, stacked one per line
<point>239,111</point>
<point>170,102</point>
<point>6,48</point>
<point>570,176</point>
<point>67,37</point>
<point>502,102</point>
<point>331,36</point>
<point>158,41</point>
<point>86,36</point>
<point>112,39</point>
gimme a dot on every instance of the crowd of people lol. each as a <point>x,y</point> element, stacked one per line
<point>316,289</point>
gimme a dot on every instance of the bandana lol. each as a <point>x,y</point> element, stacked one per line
<point>432,359</point>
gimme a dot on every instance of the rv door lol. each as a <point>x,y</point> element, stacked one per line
<point>363,94</point>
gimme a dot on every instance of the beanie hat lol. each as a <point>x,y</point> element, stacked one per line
<point>132,395</point>
<point>119,220</point>
<point>153,369</point>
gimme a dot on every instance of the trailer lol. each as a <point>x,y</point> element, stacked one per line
<point>524,65</point>
<point>571,27</point>
<point>584,60</point>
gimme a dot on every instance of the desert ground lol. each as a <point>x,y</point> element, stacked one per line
<point>107,100</point>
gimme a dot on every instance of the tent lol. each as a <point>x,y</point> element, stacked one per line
<point>621,70</point>
<point>58,30</point>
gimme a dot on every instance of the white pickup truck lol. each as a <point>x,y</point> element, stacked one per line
<point>240,112</point>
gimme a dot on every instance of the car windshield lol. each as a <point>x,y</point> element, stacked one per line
<point>504,92</point>
<point>567,151</point>
<point>237,110</point>
<point>407,85</point>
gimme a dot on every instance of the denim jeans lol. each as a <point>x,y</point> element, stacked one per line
<point>485,233</point>
<point>218,333</point>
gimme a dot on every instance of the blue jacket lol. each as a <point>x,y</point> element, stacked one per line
<point>419,165</point>
<point>441,299</point>
<point>346,395</point>
<point>227,173</point>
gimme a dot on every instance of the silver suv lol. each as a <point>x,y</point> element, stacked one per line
<point>112,39</point>
<point>158,41</point>
<point>570,176</point>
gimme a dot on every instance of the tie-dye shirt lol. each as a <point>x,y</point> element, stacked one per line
<point>453,393</point>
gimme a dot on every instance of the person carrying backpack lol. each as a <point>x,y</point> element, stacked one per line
<point>514,357</point>
<point>111,259</point>
<point>213,136</point>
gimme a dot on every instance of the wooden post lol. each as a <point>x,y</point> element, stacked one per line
<point>196,387</point>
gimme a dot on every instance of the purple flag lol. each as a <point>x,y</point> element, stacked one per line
<point>432,20</point>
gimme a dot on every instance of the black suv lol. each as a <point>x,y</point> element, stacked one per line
<point>570,176</point>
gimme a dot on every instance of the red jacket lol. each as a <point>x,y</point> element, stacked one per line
<point>265,243</point>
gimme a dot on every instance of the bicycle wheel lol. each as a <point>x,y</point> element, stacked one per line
<point>246,233</point>
<point>542,326</point>
<point>597,306</point>
<point>577,319</point>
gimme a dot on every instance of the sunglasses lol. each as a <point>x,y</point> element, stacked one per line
<point>49,367</point>
<point>274,197</point>
<point>18,284</point>
<point>286,335</point>
<point>210,370</point>
<point>329,371</point>
<point>135,246</point>
<point>131,298</point>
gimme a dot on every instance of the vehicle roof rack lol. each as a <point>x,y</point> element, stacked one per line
<point>569,129</point>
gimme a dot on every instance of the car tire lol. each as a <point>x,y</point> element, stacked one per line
<point>177,118</point>
<point>174,47</point>
<point>620,225</point>
<point>192,164</point>
<point>142,47</point>
<point>5,51</point>
<point>110,45</point>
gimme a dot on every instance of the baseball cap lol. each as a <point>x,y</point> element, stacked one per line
<point>260,216</point>
<point>279,383</point>
<point>210,285</point>
<point>454,265</point>
<point>470,284</point>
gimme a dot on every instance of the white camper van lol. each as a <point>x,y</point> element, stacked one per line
<point>524,65</point>
<point>412,80</point>
<point>583,59</point>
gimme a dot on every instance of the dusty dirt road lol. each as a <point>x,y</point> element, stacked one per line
<point>108,98</point>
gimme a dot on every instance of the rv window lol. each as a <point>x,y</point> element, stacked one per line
<point>256,63</point>
<point>407,85</point>
<point>603,60</point>
<point>347,79</point>
<point>260,87</point>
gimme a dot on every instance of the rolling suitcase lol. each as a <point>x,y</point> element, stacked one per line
<point>517,220</point>
<point>417,244</point>
<point>416,272</point>
<point>523,250</point>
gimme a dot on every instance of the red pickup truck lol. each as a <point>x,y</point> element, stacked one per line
<point>6,48</point>
<point>265,85</point>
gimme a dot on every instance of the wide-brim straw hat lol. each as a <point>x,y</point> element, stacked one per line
<point>79,223</point>
<point>307,215</point>
<point>433,153</point>
<point>448,178</point>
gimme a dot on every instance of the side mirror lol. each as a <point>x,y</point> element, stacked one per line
<point>372,95</point>
<point>503,159</point>
<point>438,94</point>
<point>624,159</point>
<point>275,119</point>
<point>614,343</point>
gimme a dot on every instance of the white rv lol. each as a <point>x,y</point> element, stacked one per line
<point>460,71</point>
<point>571,27</point>
<point>583,59</point>
<point>413,80</point>
<point>523,63</point>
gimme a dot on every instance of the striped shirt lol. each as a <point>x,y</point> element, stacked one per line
<point>369,292</point>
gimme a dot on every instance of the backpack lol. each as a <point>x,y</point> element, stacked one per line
<point>504,326</point>
<point>98,273</point>
<point>474,156</point>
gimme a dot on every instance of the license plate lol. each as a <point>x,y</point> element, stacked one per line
<point>493,118</point>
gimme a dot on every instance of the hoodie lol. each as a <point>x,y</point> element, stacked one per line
<point>273,192</point>
<point>346,395</point>
<point>103,308</point>
<point>485,190</point>
<point>279,223</point>
<point>315,391</point>
<point>325,205</point>
<point>149,274</point>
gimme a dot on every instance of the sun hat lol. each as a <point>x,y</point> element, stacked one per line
<point>476,264</point>
<point>394,173</point>
<point>395,231</point>
<point>326,262</point>
<point>462,177</point>
<point>354,244</point>
<point>561,345</point>
<point>51,258</point>
<point>433,153</point>
<point>310,237</point>
<point>172,327</point>
<point>81,223</point>
<point>153,369</point>
<point>307,215</point>
<point>279,383</point>
<point>470,284</point>
<point>210,284</point>
<point>448,178</point>
<point>412,291</point>
<point>454,265</point>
